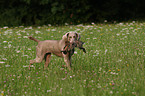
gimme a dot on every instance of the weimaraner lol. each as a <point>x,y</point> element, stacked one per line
<point>44,49</point>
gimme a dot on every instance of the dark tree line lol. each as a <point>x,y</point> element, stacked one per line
<point>40,12</point>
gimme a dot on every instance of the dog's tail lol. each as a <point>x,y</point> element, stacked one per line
<point>31,38</point>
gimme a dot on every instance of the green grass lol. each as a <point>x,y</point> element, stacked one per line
<point>113,65</point>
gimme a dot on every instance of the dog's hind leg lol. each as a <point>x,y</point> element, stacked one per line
<point>38,59</point>
<point>47,60</point>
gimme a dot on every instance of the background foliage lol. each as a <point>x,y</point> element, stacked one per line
<point>40,12</point>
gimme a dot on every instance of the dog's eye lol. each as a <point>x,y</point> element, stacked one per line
<point>74,37</point>
<point>70,37</point>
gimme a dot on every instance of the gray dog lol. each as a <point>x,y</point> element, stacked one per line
<point>44,49</point>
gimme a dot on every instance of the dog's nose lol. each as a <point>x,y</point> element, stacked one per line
<point>72,42</point>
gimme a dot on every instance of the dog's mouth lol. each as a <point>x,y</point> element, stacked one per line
<point>74,44</point>
<point>71,42</point>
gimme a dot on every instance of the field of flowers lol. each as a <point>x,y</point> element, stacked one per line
<point>113,65</point>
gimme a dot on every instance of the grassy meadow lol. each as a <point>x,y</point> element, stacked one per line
<point>113,65</point>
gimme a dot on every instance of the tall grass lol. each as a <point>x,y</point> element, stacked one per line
<point>113,65</point>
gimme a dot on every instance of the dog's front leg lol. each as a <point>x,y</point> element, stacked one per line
<point>67,61</point>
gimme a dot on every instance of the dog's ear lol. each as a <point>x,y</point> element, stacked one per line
<point>78,36</point>
<point>65,36</point>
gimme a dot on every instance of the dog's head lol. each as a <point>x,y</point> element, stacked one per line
<point>72,37</point>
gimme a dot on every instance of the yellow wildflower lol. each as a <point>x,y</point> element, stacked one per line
<point>2,93</point>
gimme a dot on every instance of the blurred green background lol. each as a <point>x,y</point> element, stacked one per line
<point>57,12</point>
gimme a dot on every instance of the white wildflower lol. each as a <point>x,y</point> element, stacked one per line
<point>100,69</point>
<point>25,36</point>
<point>117,34</point>
<point>5,41</point>
<point>7,65</point>
<point>53,30</point>
<point>9,45</point>
<point>21,26</point>
<point>98,85</point>
<point>66,23</point>
<point>70,76</point>
<point>94,38</point>
<point>111,92</point>
<point>37,32</point>
<point>75,52</point>
<point>106,51</point>
<point>49,24</point>
<point>105,20</point>
<point>2,62</point>
<point>18,51</point>
<point>30,27</point>
<point>25,55</point>
<point>4,58</point>
<point>28,66</point>
<point>5,27</point>
<point>93,23</point>
<point>48,90</point>
<point>29,48</point>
